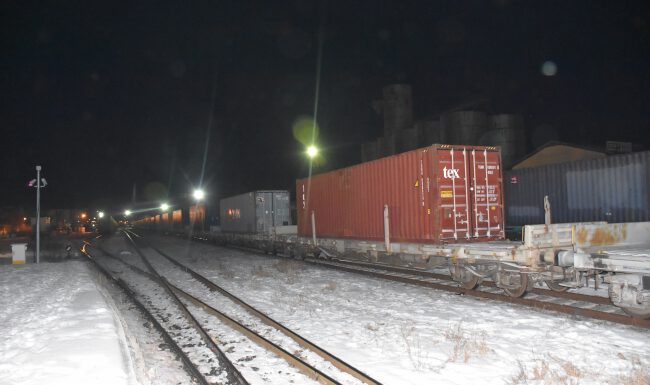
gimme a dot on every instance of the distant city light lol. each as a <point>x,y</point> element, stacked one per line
<point>127,213</point>
<point>83,215</point>
<point>312,151</point>
<point>164,207</point>
<point>198,194</point>
<point>549,68</point>
<point>100,214</point>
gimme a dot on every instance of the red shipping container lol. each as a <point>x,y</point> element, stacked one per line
<point>437,194</point>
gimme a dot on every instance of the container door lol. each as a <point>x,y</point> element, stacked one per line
<point>264,211</point>
<point>454,193</point>
<point>281,209</point>
<point>487,203</point>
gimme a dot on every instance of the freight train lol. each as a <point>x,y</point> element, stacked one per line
<point>437,207</point>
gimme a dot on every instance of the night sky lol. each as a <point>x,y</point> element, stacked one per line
<point>105,95</point>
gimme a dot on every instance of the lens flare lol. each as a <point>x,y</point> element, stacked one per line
<point>305,130</point>
<point>312,151</point>
<point>549,68</point>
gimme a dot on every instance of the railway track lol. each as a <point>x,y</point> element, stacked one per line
<point>564,302</point>
<point>183,334</point>
<point>198,295</point>
<point>574,304</point>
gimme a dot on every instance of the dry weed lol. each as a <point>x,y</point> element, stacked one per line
<point>259,272</point>
<point>225,271</point>
<point>416,353</point>
<point>570,369</point>
<point>373,327</point>
<point>640,374</point>
<point>542,372</point>
<point>466,344</point>
<point>290,268</point>
<point>519,377</point>
<point>330,286</point>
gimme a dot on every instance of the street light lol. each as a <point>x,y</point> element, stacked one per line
<point>100,214</point>
<point>38,183</point>
<point>127,213</point>
<point>198,194</point>
<point>312,151</point>
<point>164,207</point>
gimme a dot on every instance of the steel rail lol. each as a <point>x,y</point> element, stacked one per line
<point>303,342</point>
<point>558,294</point>
<point>405,270</point>
<point>294,360</point>
<point>577,311</point>
<point>566,309</point>
<point>189,366</point>
<point>128,264</point>
<point>233,374</point>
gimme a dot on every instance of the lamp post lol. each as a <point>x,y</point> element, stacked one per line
<point>38,183</point>
<point>198,195</point>
<point>38,214</point>
<point>312,152</point>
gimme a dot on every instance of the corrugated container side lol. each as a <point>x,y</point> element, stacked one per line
<point>197,215</point>
<point>424,205</point>
<point>281,208</point>
<point>255,212</point>
<point>177,220</point>
<point>612,189</point>
<point>238,213</point>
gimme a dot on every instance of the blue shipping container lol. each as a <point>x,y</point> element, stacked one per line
<point>613,189</point>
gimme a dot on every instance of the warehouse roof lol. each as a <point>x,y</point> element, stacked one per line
<point>558,152</point>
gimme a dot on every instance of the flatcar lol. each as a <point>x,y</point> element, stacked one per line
<point>435,207</point>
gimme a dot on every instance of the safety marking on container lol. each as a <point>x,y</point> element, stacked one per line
<point>446,194</point>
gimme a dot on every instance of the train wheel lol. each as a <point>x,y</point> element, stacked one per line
<point>464,277</point>
<point>555,286</point>
<point>643,313</point>
<point>517,284</point>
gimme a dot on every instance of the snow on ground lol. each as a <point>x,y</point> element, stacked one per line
<point>57,328</point>
<point>402,334</point>
<point>60,327</point>
<point>153,365</point>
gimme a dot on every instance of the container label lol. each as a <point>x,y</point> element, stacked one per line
<point>450,173</point>
<point>446,194</point>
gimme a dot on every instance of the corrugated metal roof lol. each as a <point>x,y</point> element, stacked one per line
<point>557,152</point>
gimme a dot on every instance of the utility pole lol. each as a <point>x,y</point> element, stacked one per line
<point>38,214</point>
